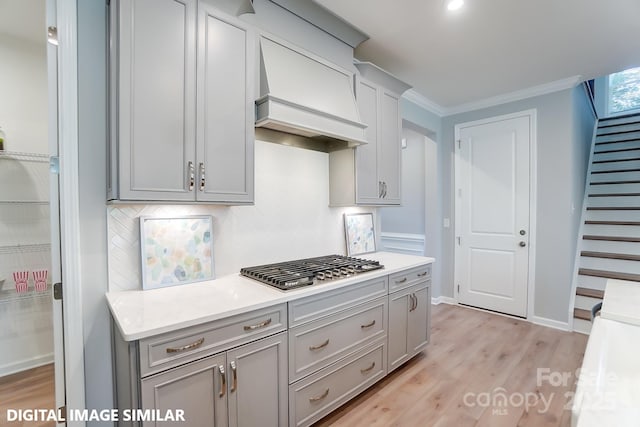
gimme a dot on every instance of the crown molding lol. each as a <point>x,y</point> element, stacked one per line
<point>420,100</point>
<point>517,95</point>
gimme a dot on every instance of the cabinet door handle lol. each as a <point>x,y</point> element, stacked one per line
<point>424,273</point>
<point>368,325</point>
<point>384,189</point>
<point>202,177</point>
<point>223,379</point>
<point>413,302</point>
<point>258,326</point>
<point>365,370</point>
<point>234,384</point>
<point>319,346</point>
<point>404,279</point>
<point>191,346</point>
<point>192,176</point>
<point>322,396</point>
<point>380,189</point>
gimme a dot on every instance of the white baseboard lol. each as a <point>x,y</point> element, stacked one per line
<point>543,321</point>
<point>410,244</point>
<point>443,300</point>
<point>23,365</point>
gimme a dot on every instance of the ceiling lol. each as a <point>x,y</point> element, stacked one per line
<point>24,19</point>
<point>491,48</point>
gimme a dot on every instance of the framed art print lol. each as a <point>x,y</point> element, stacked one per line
<point>176,251</point>
<point>359,233</point>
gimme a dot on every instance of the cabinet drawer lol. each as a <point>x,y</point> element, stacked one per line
<point>314,307</point>
<point>322,342</point>
<point>175,348</point>
<point>315,396</point>
<point>409,277</point>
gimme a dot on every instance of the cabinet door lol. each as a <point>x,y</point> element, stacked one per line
<point>389,159</point>
<point>225,148</point>
<point>156,99</point>
<point>409,312</point>
<point>198,388</point>
<point>419,321</point>
<point>258,383</point>
<point>368,186</point>
<point>398,349</point>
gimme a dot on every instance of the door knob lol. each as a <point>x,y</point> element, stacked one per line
<point>522,232</point>
<point>523,244</point>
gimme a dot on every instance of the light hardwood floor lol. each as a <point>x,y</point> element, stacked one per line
<point>474,362</point>
<point>32,389</point>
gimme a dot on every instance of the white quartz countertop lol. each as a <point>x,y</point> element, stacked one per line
<point>621,301</point>
<point>141,314</point>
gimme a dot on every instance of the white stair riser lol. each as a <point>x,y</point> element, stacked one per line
<point>591,282</point>
<point>617,265</point>
<point>612,216</point>
<point>617,146</point>
<point>614,176</point>
<point>621,120</point>
<point>614,188</point>
<point>607,246</point>
<point>582,326</point>
<point>615,166</point>
<point>619,137</point>
<point>619,128</point>
<point>586,303</point>
<point>627,201</point>
<point>612,230</point>
<point>617,155</point>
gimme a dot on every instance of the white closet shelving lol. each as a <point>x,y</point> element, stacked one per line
<point>24,221</point>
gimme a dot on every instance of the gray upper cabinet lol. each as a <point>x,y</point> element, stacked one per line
<point>182,103</point>
<point>369,174</point>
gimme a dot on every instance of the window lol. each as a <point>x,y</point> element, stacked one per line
<point>624,91</point>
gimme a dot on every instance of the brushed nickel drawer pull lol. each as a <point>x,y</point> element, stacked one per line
<point>258,326</point>
<point>322,396</point>
<point>192,177</point>
<point>368,325</point>
<point>202,177</point>
<point>319,346</point>
<point>223,378</point>
<point>191,346</point>
<point>424,273</point>
<point>365,370</point>
<point>234,384</point>
<point>401,280</point>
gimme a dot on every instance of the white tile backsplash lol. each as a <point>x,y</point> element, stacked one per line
<point>290,219</point>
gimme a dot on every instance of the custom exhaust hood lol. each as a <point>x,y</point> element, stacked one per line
<point>305,96</point>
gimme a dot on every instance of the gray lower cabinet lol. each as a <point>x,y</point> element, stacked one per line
<point>182,77</point>
<point>409,323</point>
<point>243,387</point>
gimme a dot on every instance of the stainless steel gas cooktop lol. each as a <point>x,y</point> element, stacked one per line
<point>305,272</point>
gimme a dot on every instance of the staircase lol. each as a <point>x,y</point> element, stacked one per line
<point>609,245</point>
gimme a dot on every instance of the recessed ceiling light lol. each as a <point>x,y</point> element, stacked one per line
<point>454,4</point>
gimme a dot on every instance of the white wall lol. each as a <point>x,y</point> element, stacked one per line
<point>23,93</point>
<point>290,219</point>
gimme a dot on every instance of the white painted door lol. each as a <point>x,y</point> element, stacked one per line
<point>492,213</point>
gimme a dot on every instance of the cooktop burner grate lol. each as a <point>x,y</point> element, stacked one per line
<point>305,272</point>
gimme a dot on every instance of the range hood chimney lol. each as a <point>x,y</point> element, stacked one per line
<point>305,95</point>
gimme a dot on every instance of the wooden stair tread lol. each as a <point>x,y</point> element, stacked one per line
<point>617,117</point>
<point>591,222</point>
<point>631,123</point>
<point>591,293</point>
<point>612,238</point>
<point>615,171</point>
<point>615,195</point>
<point>610,255</point>
<point>630,159</point>
<point>580,313</point>
<point>618,141</point>
<point>621,150</point>
<point>613,208</point>
<point>609,274</point>
<point>616,182</point>
<point>620,132</point>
